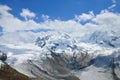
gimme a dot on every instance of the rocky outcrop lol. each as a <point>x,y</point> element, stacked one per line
<point>3,56</point>
<point>8,73</point>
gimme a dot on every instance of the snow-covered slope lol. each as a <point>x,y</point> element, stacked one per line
<point>57,42</point>
<point>55,55</point>
<point>105,38</point>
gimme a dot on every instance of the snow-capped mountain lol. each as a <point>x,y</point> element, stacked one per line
<point>105,38</point>
<point>56,56</point>
<point>57,42</point>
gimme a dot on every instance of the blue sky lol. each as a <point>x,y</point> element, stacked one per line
<point>59,9</point>
<point>69,16</point>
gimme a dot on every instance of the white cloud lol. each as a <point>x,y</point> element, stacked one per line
<point>103,21</point>
<point>7,20</point>
<point>107,18</point>
<point>27,14</point>
<point>4,10</point>
<point>45,17</point>
<point>112,6</point>
<point>84,16</point>
<point>108,21</point>
<point>11,23</point>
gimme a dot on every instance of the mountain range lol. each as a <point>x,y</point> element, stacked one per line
<point>59,56</point>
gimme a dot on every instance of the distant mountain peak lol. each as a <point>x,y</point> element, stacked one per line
<point>105,38</point>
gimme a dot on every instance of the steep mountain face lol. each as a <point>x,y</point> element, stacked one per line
<point>111,63</point>
<point>57,56</point>
<point>52,63</point>
<point>56,42</point>
<point>105,60</point>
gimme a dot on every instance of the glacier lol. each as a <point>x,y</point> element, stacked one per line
<point>59,56</point>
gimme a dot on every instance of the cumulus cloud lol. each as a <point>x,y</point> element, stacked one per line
<point>103,21</point>
<point>27,14</point>
<point>84,16</point>
<point>4,10</point>
<point>108,21</point>
<point>9,23</point>
<point>45,17</point>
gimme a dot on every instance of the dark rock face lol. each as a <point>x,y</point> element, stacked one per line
<point>40,42</point>
<point>56,68</point>
<point>3,56</point>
